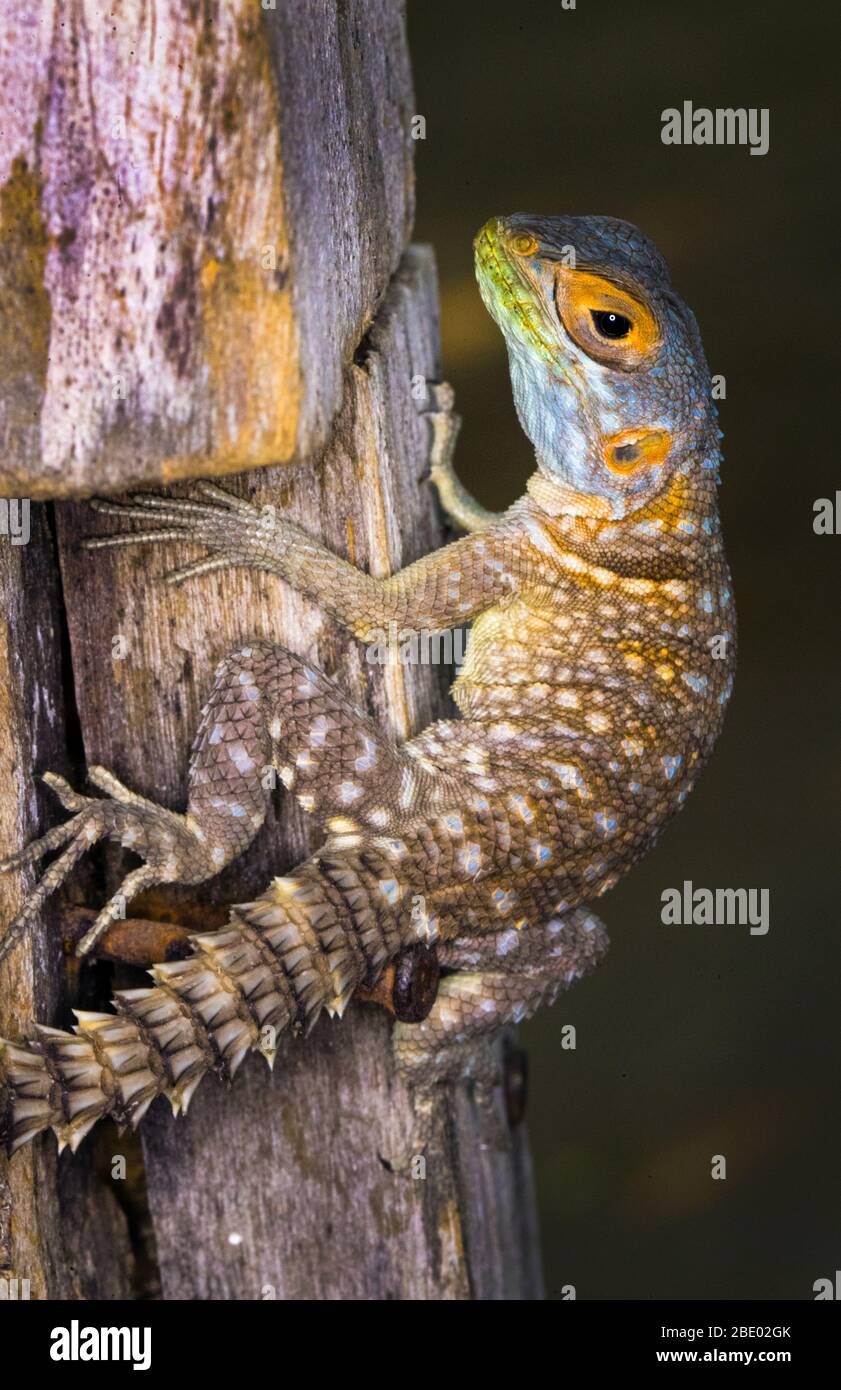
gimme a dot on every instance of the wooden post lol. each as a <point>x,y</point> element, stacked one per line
<point>229,291</point>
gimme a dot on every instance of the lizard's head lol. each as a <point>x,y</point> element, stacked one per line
<point>607,368</point>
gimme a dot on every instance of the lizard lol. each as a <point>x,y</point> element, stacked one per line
<point>599,665</point>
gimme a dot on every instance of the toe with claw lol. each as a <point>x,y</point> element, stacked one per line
<point>232,530</point>
<point>161,837</point>
<point>459,506</point>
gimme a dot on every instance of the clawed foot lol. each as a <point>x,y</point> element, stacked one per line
<point>164,839</point>
<point>234,531</point>
<point>462,509</point>
<point>445,426</point>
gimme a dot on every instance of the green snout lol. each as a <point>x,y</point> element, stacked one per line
<point>508,286</point>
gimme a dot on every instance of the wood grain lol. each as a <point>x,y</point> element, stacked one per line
<point>200,208</point>
<point>61,1227</point>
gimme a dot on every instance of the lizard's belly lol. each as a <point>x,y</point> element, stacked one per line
<point>547,672</point>
<point>520,666</point>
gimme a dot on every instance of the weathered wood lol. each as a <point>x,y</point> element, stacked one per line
<point>293,1166</point>
<point>60,1227</point>
<point>153,153</point>
<point>200,208</point>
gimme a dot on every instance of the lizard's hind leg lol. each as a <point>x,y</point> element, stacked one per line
<point>161,837</point>
<point>498,978</point>
<point>269,710</point>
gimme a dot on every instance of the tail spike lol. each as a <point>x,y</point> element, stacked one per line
<point>305,945</point>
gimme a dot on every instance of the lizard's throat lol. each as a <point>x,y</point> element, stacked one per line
<point>557,499</point>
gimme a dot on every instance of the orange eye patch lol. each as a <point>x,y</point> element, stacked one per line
<point>609,323</point>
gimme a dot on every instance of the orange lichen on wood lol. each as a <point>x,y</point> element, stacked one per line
<point>24,313</point>
<point>147,328</point>
<point>247,323</point>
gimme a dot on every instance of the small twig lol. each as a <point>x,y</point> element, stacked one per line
<point>135,941</point>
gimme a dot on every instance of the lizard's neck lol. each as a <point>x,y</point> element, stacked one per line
<point>557,500</point>
<point>675,533</point>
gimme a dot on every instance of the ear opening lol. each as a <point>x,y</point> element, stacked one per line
<point>632,450</point>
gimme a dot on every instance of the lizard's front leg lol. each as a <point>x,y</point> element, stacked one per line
<point>448,587</point>
<point>459,505</point>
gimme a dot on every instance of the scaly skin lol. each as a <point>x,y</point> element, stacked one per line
<point>600,662</point>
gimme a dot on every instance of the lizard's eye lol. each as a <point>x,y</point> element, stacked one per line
<point>611,325</point>
<point>609,322</point>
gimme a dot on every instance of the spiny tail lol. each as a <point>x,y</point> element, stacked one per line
<point>303,946</point>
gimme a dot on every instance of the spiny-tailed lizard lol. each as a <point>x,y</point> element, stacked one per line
<point>600,662</point>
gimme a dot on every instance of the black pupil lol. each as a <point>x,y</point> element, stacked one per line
<point>611,325</point>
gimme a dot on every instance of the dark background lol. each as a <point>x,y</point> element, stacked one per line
<point>692,1041</point>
